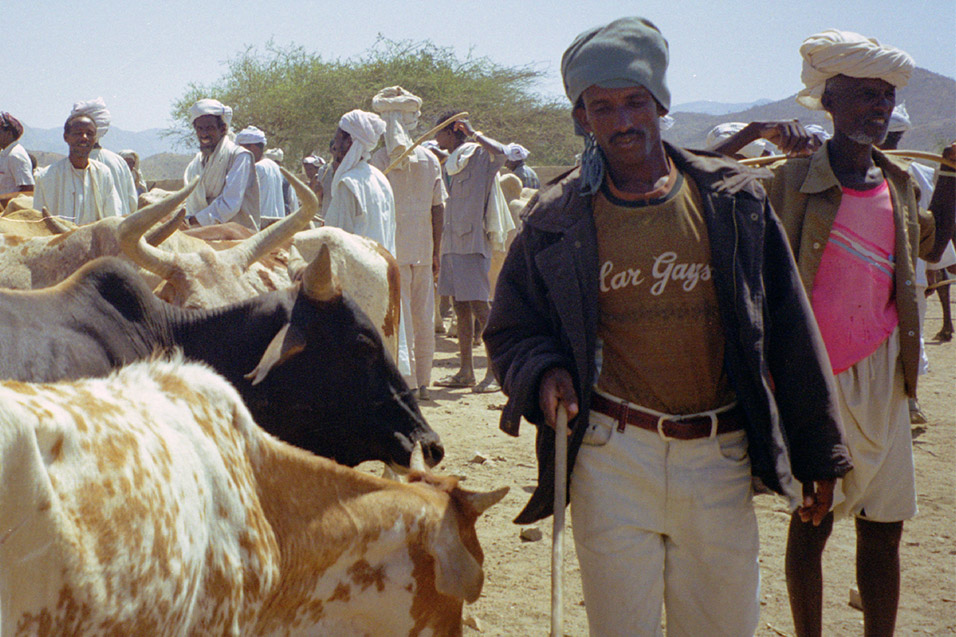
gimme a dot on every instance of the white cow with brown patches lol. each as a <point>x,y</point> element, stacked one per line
<point>150,503</point>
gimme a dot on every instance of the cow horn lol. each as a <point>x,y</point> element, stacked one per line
<point>163,231</point>
<point>318,282</point>
<point>389,474</point>
<point>482,501</point>
<point>131,230</point>
<point>417,461</point>
<point>264,241</point>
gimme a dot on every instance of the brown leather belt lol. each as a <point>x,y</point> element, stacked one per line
<point>679,429</point>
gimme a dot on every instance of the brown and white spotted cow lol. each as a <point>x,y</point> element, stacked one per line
<point>150,503</point>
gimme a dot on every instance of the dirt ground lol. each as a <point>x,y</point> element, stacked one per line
<point>516,595</point>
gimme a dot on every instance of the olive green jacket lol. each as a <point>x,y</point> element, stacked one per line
<point>806,195</point>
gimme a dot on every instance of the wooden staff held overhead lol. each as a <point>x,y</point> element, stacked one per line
<point>407,151</point>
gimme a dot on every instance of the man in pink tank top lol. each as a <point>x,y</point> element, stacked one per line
<point>853,219</point>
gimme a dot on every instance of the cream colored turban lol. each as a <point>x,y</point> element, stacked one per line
<point>210,107</point>
<point>97,111</point>
<point>400,109</point>
<point>275,154</point>
<point>832,52</point>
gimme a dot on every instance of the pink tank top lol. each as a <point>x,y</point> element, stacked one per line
<point>852,296</point>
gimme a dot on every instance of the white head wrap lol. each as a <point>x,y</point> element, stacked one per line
<point>209,106</point>
<point>312,160</point>
<point>365,129</point>
<point>900,119</point>
<point>275,154</point>
<point>95,109</point>
<point>832,52</point>
<point>250,135</point>
<point>720,132</point>
<point>400,109</point>
<point>818,131</point>
<point>516,152</point>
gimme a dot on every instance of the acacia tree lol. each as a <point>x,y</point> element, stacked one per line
<point>297,97</point>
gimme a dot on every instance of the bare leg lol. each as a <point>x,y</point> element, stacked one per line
<point>466,327</point>
<point>804,569</point>
<point>946,333</point>
<point>878,574</point>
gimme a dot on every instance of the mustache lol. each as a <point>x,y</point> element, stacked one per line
<point>617,136</point>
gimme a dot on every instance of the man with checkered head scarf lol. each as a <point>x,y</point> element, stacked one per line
<point>855,225</point>
<point>652,295</point>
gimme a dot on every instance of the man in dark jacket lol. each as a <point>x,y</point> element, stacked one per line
<point>652,294</point>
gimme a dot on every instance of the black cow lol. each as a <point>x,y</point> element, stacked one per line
<point>309,364</point>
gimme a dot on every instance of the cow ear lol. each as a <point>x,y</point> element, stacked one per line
<point>286,343</point>
<point>481,501</point>
<point>457,572</point>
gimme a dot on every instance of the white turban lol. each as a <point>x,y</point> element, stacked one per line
<point>210,107</point>
<point>275,154</point>
<point>818,131</point>
<point>400,109</point>
<point>312,160</point>
<point>516,152</point>
<point>720,132</point>
<point>97,111</point>
<point>832,52</point>
<point>900,119</point>
<point>365,129</point>
<point>250,135</point>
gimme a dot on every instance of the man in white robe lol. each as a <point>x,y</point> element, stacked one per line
<point>362,201</point>
<point>119,169</point>
<point>16,171</point>
<point>78,188</point>
<point>228,189</point>
<point>271,200</point>
<point>289,198</point>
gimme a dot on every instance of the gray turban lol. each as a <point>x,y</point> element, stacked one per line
<point>626,52</point>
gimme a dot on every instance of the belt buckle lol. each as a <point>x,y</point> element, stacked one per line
<point>666,438</point>
<point>660,429</point>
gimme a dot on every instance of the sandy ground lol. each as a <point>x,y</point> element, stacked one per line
<point>516,595</point>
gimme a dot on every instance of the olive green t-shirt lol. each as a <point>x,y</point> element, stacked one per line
<point>663,344</point>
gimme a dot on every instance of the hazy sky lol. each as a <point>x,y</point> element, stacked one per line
<point>140,56</point>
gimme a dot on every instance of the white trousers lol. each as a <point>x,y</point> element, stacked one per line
<point>876,422</point>
<point>669,522</point>
<point>418,309</point>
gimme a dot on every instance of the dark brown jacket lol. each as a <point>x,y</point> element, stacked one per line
<point>545,314</point>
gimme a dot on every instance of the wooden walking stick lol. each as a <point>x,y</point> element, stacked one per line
<point>910,154</point>
<point>407,151</point>
<point>557,539</point>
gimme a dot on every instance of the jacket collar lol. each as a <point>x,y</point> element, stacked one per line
<point>561,206</point>
<point>820,176</point>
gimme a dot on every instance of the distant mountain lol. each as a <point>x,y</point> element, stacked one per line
<point>716,108</point>
<point>146,143</point>
<point>930,100</point>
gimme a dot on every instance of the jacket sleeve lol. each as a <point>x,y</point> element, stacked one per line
<point>804,388</point>
<point>522,334</point>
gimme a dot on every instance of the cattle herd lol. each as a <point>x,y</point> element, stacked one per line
<point>164,402</point>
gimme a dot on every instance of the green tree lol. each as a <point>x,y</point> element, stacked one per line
<point>297,97</point>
